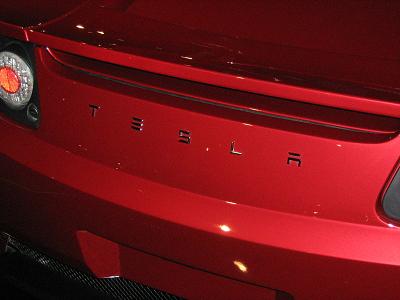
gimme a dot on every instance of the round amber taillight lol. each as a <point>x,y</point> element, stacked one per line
<point>9,80</point>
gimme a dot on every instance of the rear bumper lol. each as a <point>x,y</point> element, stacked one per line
<point>115,224</point>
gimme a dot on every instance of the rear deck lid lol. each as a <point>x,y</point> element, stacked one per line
<point>340,54</point>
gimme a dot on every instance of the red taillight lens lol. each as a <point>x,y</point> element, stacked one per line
<point>9,80</point>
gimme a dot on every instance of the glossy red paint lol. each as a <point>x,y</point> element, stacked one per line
<point>89,190</point>
<point>25,13</point>
<point>261,173</point>
<point>96,249</point>
<point>294,64</point>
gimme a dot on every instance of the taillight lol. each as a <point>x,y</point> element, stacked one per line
<point>391,199</point>
<point>18,88</point>
<point>16,80</point>
<point>9,80</point>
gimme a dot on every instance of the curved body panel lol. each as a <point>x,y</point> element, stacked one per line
<point>244,152</point>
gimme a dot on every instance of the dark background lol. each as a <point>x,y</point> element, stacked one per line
<point>8,291</point>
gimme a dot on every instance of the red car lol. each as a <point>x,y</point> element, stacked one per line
<point>202,149</point>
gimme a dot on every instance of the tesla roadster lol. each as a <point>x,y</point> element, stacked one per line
<point>201,149</point>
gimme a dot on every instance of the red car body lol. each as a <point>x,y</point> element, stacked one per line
<point>210,149</point>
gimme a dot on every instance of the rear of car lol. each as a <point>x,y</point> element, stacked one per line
<point>203,150</point>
